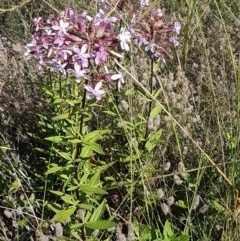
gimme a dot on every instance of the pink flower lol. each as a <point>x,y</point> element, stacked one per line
<point>96,92</point>
<point>59,39</point>
<point>177,27</point>
<point>81,56</point>
<point>79,73</point>
<point>101,56</point>
<point>144,3</point>
<point>120,79</point>
<point>124,37</point>
<point>61,27</point>
<point>58,66</point>
<point>37,21</point>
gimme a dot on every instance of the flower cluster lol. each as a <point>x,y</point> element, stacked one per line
<point>84,47</point>
<point>155,34</point>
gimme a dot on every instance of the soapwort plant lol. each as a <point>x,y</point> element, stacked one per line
<point>86,58</point>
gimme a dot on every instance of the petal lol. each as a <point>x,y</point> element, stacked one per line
<point>89,88</point>
<point>84,48</point>
<point>99,97</point>
<point>98,86</point>
<point>90,96</point>
<point>76,67</point>
<point>101,92</point>
<point>116,76</point>
<point>126,46</point>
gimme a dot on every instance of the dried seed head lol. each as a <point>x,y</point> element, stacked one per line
<point>146,191</point>
<point>177,180</point>
<point>95,233</point>
<point>22,197</point>
<point>8,213</point>
<point>58,230</point>
<point>157,121</point>
<point>19,210</point>
<point>160,193</point>
<point>166,166</point>
<point>150,124</point>
<point>81,213</point>
<point>195,202</point>
<point>134,142</point>
<point>131,234</point>
<point>123,105</point>
<point>170,200</point>
<point>119,125</point>
<point>185,150</point>
<point>165,208</point>
<point>32,197</point>
<point>203,209</point>
<point>181,169</point>
<point>43,238</point>
<point>154,82</point>
<point>122,237</point>
<point>145,77</point>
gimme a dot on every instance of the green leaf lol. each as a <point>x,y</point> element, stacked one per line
<point>85,206</point>
<point>70,102</point>
<point>58,193</point>
<point>54,139</point>
<point>93,190</point>
<point>153,140</point>
<point>95,179</point>
<point>167,230</point>
<point>86,152</point>
<point>217,206</point>
<point>156,65</point>
<point>76,226</point>
<point>68,199</point>
<point>155,111</point>
<point>182,238</point>
<point>95,135</point>
<point>106,166</point>
<point>64,155</point>
<point>109,112</point>
<point>55,207</point>
<point>54,169</point>
<point>75,235</point>
<point>94,147</point>
<point>100,225</point>
<point>141,91</point>
<point>75,141</point>
<point>60,117</point>
<point>180,203</point>
<point>58,101</point>
<point>15,185</point>
<point>62,215</point>
<point>47,92</point>
<point>72,188</point>
<point>64,177</point>
<point>156,93</point>
<point>98,212</point>
<point>22,223</point>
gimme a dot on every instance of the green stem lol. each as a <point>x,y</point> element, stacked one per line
<point>79,145</point>
<point>150,103</point>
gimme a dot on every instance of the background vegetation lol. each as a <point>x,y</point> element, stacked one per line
<point>182,186</point>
